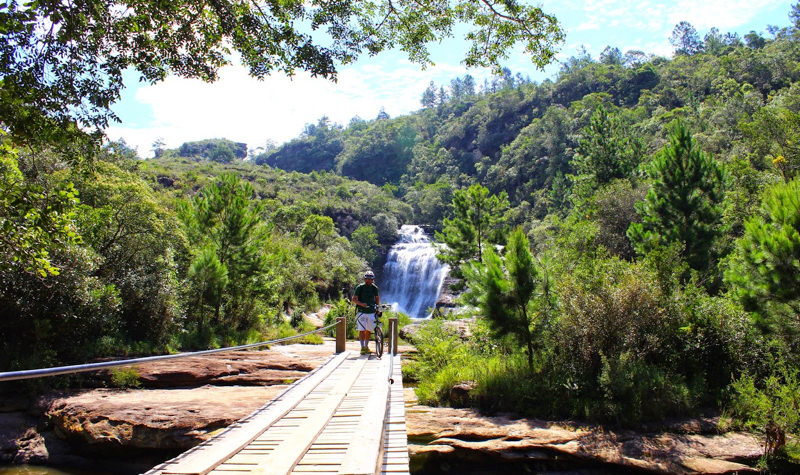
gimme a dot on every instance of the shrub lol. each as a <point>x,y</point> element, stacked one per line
<point>770,406</point>
<point>125,377</point>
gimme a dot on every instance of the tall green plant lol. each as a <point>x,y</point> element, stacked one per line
<point>508,292</point>
<point>683,204</point>
<point>475,224</point>
<point>225,220</point>
<point>608,150</point>
<point>765,270</point>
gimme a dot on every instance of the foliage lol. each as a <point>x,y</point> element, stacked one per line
<point>218,150</point>
<point>65,61</point>
<point>342,308</point>
<point>315,150</point>
<point>608,150</point>
<point>138,239</point>
<point>771,406</point>
<point>765,270</point>
<point>229,269</point>
<point>365,244</point>
<point>35,221</point>
<point>126,377</point>
<point>476,224</point>
<point>683,203</point>
<point>515,300</point>
<point>390,140</point>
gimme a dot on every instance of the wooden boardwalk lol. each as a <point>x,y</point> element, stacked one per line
<point>342,418</point>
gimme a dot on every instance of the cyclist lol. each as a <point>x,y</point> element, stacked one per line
<point>367,300</point>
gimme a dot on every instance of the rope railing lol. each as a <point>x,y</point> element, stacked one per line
<point>82,368</point>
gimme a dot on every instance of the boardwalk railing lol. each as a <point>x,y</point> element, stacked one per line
<point>81,368</point>
<point>342,418</point>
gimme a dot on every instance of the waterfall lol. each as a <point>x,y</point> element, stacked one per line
<point>412,276</point>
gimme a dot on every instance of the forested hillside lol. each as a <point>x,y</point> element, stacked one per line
<point>650,213</point>
<point>536,141</point>
<point>628,234</point>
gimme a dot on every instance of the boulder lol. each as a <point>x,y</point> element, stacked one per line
<point>448,298</point>
<point>317,319</point>
<point>460,394</point>
<point>108,421</point>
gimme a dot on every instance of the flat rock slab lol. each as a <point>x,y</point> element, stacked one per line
<point>446,435</point>
<point>278,365</point>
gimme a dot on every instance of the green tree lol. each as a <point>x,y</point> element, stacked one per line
<point>317,230</point>
<point>209,279</point>
<point>683,204</point>
<point>125,223</point>
<point>225,218</point>
<point>35,220</point>
<point>64,61</point>
<point>476,224</point>
<point>364,241</point>
<point>685,39</point>
<point>428,99</point>
<point>765,270</point>
<point>608,150</point>
<point>507,294</point>
<point>774,136</point>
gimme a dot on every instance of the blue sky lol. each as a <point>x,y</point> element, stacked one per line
<point>243,109</point>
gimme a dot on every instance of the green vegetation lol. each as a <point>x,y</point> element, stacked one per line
<point>653,267</point>
<point>127,377</point>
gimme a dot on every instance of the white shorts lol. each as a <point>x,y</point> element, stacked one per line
<point>365,321</point>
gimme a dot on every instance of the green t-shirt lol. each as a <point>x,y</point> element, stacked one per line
<point>366,294</point>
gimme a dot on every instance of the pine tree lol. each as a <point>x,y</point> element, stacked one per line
<point>683,203</point>
<point>225,220</point>
<point>765,269</point>
<point>429,96</point>
<point>508,294</point>
<point>608,150</point>
<point>475,224</point>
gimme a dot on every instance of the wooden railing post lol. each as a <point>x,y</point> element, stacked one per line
<point>393,331</point>
<point>341,333</point>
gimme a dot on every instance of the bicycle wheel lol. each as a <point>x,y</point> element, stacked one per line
<point>378,341</point>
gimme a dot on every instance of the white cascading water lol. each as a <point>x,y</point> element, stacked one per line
<point>412,276</point>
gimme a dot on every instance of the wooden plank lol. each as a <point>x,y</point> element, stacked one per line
<point>207,457</point>
<point>293,448</point>
<point>365,449</point>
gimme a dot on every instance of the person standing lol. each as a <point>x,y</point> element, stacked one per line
<point>366,298</point>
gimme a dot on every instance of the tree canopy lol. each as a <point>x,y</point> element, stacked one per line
<point>64,61</point>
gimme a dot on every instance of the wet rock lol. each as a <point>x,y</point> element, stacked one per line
<point>448,298</point>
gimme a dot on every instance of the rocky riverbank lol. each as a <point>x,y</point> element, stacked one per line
<point>183,402</point>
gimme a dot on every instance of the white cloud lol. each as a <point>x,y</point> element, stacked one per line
<point>243,109</point>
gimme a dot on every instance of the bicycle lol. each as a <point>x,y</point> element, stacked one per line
<point>379,341</point>
<point>378,331</point>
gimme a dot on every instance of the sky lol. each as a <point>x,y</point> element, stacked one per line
<point>276,109</point>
